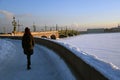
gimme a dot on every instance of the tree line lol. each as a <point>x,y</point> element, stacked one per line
<point>68,33</point>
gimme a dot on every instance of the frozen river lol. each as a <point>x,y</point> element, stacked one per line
<point>104,46</point>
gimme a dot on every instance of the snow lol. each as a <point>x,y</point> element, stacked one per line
<point>46,65</point>
<point>99,50</point>
<point>102,51</point>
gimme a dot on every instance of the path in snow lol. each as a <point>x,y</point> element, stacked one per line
<point>46,65</point>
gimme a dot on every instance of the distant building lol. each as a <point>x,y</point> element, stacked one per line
<point>118,26</point>
<point>116,29</point>
<point>99,30</point>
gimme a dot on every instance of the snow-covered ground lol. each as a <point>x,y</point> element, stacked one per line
<point>46,65</point>
<point>99,50</point>
<point>102,51</point>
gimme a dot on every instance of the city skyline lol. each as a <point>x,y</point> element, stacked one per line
<point>81,14</point>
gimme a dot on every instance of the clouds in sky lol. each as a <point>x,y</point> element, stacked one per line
<point>6,18</point>
<point>6,14</point>
<point>9,15</point>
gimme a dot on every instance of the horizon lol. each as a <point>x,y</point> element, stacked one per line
<point>78,14</point>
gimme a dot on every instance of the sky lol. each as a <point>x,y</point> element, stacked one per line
<point>80,14</point>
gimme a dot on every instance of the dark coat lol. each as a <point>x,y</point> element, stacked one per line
<point>28,44</point>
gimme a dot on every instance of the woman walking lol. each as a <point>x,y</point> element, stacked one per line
<point>28,45</point>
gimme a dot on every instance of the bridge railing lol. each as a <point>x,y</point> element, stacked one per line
<point>79,68</point>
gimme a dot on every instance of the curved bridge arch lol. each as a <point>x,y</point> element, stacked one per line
<point>48,34</point>
<point>45,34</point>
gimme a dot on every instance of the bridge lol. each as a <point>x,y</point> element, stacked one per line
<point>44,34</point>
<point>80,69</point>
